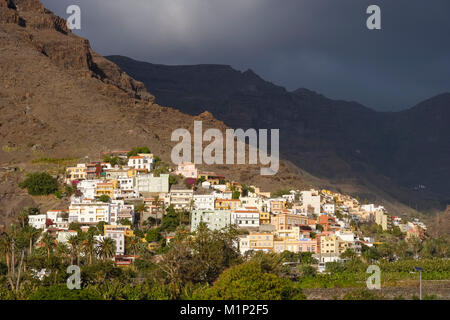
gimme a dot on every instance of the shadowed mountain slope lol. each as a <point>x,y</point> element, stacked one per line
<point>352,148</point>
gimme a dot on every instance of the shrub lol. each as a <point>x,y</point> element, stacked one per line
<point>363,294</point>
<point>153,235</point>
<point>248,282</point>
<point>61,292</point>
<point>104,198</point>
<point>39,184</point>
<point>136,151</point>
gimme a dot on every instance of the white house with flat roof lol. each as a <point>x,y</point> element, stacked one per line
<point>214,219</point>
<point>150,183</point>
<point>204,201</point>
<point>245,217</point>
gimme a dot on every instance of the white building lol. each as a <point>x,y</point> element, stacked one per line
<point>214,219</point>
<point>371,208</point>
<point>245,217</point>
<point>328,208</point>
<point>59,218</point>
<point>220,187</point>
<point>150,183</point>
<point>289,197</point>
<point>311,200</point>
<point>125,183</point>
<point>89,212</point>
<point>204,201</point>
<point>206,185</point>
<point>254,202</point>
<point>88,188</point>
<point>119,210</point>
<point>181,199</point>
<point>141,161</point>
<point>117,233</point>
<point>37,221</point>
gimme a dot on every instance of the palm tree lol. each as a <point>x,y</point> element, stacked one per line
<point>89,246</point>
<point>62,250</point>
<point>23,216</point>
<point>31,234</point>
<point>74,241</point>
<point>6,246</point>
<point>161,208</point>
<point>140,209</point>
<point>416,245</point>
<point>133,245</point>
<point>106,248</point>
<point>49,243</point>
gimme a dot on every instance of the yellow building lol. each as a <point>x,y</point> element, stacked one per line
<point>329,244</point>
<point>256,241</point>
<point>75,173</point>
<point>286,244</point>
<point>227,204</point>
<point>105,188</point>
<point>260,193</point>
<point>264,218</point>
<point>127,231</point>
<point>277,206</point>
<point>234,186</point>
<point>284,221</point>
<point>211,177</point>
<point>132,172</point>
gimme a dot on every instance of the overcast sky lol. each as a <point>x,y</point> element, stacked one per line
<point>322,45</point>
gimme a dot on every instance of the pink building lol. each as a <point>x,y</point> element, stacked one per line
<point>308,245</point>
<point>187,170</point>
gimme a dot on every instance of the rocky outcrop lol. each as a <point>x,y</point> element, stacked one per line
<point>64,48</point>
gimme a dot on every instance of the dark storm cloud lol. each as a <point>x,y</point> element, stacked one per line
<point>322,45</point>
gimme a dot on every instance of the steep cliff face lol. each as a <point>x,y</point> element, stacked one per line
<point>50,35</point>
<point>60,99</point>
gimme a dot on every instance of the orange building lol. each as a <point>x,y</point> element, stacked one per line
<point>285,221</point>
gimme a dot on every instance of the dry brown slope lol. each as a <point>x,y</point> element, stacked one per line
<point>58,98</point>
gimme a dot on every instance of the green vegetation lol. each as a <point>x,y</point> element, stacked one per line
<point>61,292</point>
<point>246,189</point>
<point>104,198</point>
<point>236,194</point>
<point>114,160</point>
<point>153,235</point>
<point>363,294</point>
<point>279,193</point>
<point>173,180</point>
<point>136,151</point>
<point>171,220</point>
<point>124,222</point>
<point>248,281</point>
<point>39,184</point>
<point>204,264</point>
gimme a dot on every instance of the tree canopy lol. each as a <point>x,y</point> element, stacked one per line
<point>39,184</point>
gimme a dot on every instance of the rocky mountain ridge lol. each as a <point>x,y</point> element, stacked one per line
<point>349,147</point>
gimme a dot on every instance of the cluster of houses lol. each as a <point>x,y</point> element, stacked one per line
<point>317,221</point>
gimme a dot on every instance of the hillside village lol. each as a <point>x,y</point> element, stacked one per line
<point>131,191</point>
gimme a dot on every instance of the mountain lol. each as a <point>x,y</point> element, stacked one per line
<point>60,99</point>
<point>349,147</point>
